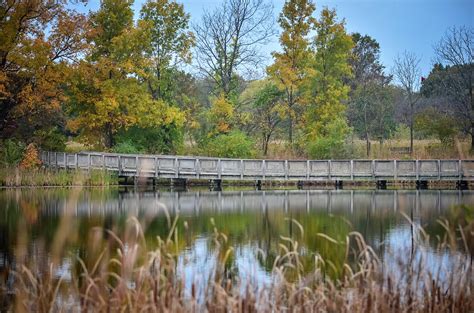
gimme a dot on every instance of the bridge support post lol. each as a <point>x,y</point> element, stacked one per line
<point>339,184</point>
<point>381,184</point>
<point>300,184</point>
<point>462,185</point>
<point>215,185</point>
<point>179,182</point>
<point>123,180</point>
<point>421,184</point>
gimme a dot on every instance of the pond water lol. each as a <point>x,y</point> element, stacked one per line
<point>254,222</point>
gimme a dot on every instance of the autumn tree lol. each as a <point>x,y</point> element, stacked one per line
<point>106,93</point>
<point>408,74</point>
<point>326,90</point>
<point>289,68</point>
<point>39,41</point>
<point>229,39</point>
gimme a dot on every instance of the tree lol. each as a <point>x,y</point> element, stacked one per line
<point>407,71</point>
<point>39,41</point>
<point>365,62</point>
<point>371,107</point>
<point>229,39</point>
<point>434,123</point>
<point>170,44</point>
<point>371,111</point>
<point>289,68</point>
<point>326,89</point>
<point>263,101</point>
<point>456,49</point>
<point>106,94</point>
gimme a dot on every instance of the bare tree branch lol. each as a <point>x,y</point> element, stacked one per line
<point>228,40</point>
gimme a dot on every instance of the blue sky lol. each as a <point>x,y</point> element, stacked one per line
<point>397,25</point>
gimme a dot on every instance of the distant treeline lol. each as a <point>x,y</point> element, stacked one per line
<point>107,81</point>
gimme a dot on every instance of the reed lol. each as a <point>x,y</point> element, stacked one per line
<point>17,177</point>
<point>122,273</point>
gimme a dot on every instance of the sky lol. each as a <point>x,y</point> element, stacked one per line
<point>398,25</point>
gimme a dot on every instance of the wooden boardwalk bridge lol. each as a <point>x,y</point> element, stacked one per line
<point>209,168</point>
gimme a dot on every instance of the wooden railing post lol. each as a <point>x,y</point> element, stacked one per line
<point>352,169</point>
<point>329,169</point>
<point>439,169</point>
<point>307,169</point>
<point>417,169</point>
<point>119,165</point>
<point>395,170</point>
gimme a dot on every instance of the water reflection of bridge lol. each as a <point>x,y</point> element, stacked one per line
<point>335,201</point>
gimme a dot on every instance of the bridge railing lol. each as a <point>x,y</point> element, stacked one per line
<point>251,169</point>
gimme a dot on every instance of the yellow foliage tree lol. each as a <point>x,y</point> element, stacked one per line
<point>220,116</point>
<point>289,69</point>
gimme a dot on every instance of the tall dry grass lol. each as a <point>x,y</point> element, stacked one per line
<point>121,273</point>
<point>17,177</point>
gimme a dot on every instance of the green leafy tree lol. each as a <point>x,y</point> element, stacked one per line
<point>365,62</point>
<point>289,68</point>
<point>264,102</point>
<point>326,90</point>
<point>170,44</point>
<point>371,110</point>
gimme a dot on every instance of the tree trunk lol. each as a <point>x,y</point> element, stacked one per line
<point>265,144</point>
<point>411,128</point>
<point>472,138</point>
<point>290,131</point>
<point>368,144</point>
<point>109,136</point>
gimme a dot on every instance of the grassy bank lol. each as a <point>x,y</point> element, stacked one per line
<point>125,273</point>
<point>389,149</point>
<point>17,177</point>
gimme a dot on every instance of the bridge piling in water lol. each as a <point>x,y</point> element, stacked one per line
<point>381,184</point>
<point>421,184</point>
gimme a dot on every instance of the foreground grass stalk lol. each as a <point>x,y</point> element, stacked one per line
<point>124,274</point>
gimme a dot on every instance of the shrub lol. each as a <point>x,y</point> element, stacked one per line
<point>31,158</point>
<point>432,123</point>
<point>11,152</point>
<point>166,140</point>
<point>52,139</point>
<point>126,147</point>
<point>234,144</point>
<point>333,144</point>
